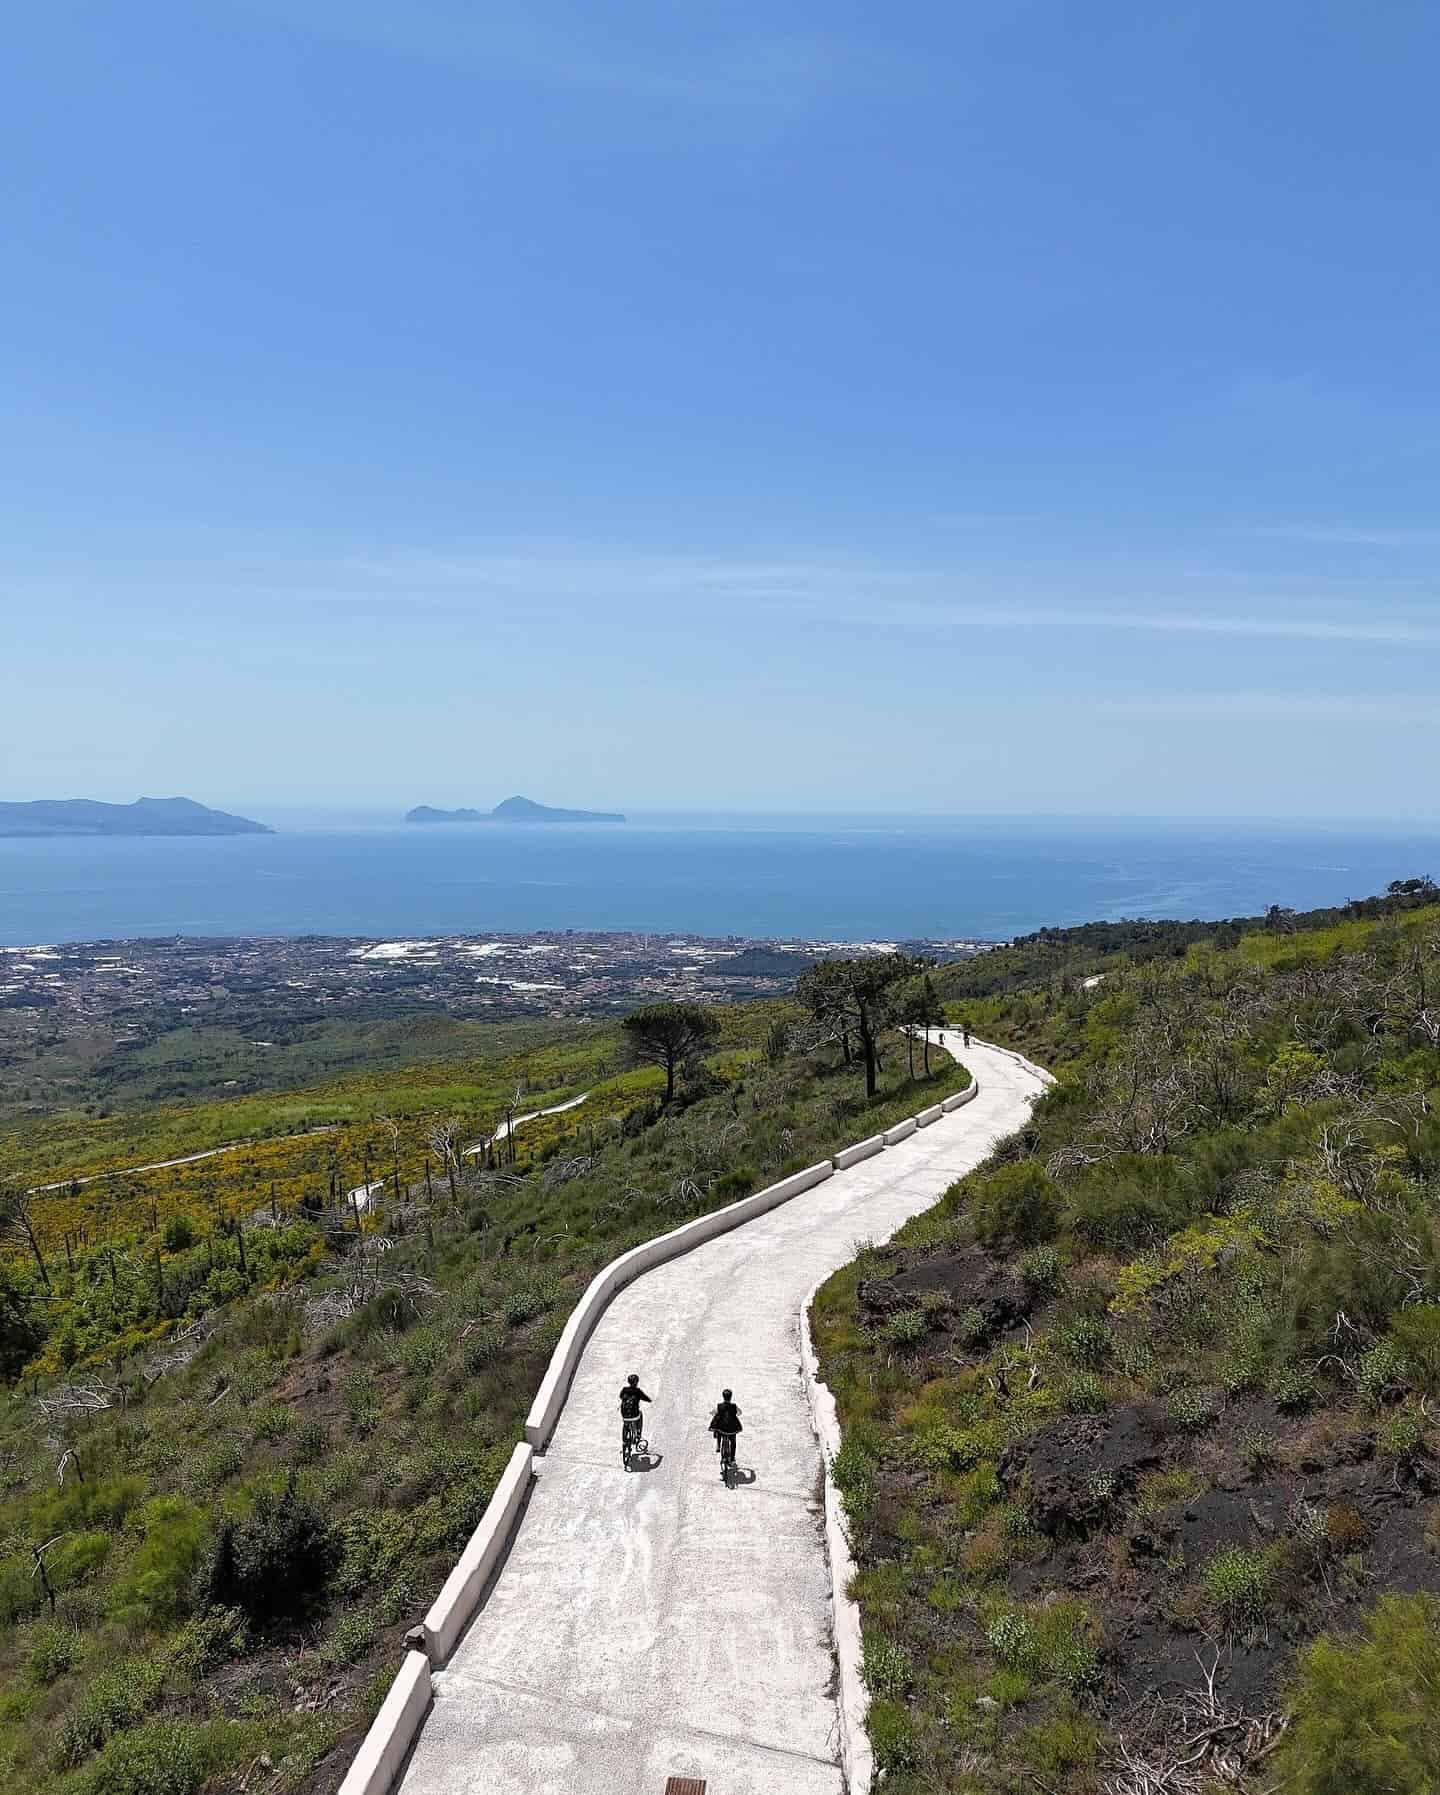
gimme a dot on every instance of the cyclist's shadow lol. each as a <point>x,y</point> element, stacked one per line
<point>738,1476</point>
<point>644,1460</point>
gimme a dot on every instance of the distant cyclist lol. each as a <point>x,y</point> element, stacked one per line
<point>725,1424</point>
<point>631,1396</point>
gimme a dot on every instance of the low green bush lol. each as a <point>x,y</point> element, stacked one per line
<point>53,1650</point>
<point>1085,1341</point>
<point>162,1757</point>
<point>275,1563</point>
<point>1016,1205</point>
<point>1417,1333</point>
<point>1190,1410</point>
<point>1366,1712</point>
<point>1041,1268</point>
<point>892,1735</point>
<point>1384,1372</point>
<point>1133,1200</point>
<point>113,1700</point>
<point>1237,1581</point>
<point>886,1668</point>
<point>159,1578</point>
<point>906,1327</point>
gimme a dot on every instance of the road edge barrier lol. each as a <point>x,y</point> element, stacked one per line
<point>451,1610</point>
<point>851,1698</point>
<point>851,1156</point>
<point>392,1732</point>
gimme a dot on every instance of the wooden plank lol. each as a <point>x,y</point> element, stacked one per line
<point>684,1785</point>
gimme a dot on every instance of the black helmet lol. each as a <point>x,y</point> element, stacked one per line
<point>725,1396</point>
<point>634,1378</point>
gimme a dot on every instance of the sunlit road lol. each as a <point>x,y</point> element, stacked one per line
<point>655,1623</point>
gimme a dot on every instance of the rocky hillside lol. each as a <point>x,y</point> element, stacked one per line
<point>1140,1420</point>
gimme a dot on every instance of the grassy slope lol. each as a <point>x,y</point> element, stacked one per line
<point>395,1422</point>
<point>1149,1388</point>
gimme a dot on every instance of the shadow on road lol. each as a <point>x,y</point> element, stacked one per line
<point>645,1461</point>
<point>739,1476</point>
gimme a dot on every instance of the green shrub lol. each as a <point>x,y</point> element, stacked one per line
<point>906,1327</point>
<point>113,1700</point>
<point>1293,1387</point>
<point>350,1638</point>
<point>163,1757</point>
<point>271,1420</point>
<point>75,1558</point>
<point>1053,1643</point>
<point>207,1640</point>
<point>157,1582</point>
<point>1366,1712</point>
<point>1041,1270</point>
<point>1158,1489</point>
<point>311,1442</point>
<point>1237,1581</point>
<point>853,1471</point>
<point>1067,1741</point>
<point>1131,1201</point>
<point>1085,1341</point>
<point>1256,1449</point>
<point>1402,1436</point>
<point>179,1233</point>
<point>275,1563</point>
<point>886,1668</point>
<point>54,1649</point>
<point>971,1326</point>
<point>892,1735</point>
<point>1016,1205</point>
<point>1417,1332</point>
<point>362,1402</point>
<point>1083,1394</point>
<point>1190,1410</point>
<point>1384,1372</point>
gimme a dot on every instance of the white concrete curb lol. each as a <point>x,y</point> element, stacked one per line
<point>927,1116</point>
<point>901,1131</point>
<point>850,1156</point>
<point>451,1610</point>
<point>960,1097</point>
<point>852,1698</point>
<point>392,1731</point>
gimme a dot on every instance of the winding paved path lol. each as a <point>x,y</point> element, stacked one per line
<point>656,1623</point>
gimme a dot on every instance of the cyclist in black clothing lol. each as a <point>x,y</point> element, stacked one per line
<point>725,1424</point>
<point>631,1396</point>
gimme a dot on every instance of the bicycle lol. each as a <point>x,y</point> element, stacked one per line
<point>726,1443</point>
<point>631,1443</point>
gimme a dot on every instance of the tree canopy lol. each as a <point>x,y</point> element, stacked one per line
<point>670,1035</point>
<point>858,998</point>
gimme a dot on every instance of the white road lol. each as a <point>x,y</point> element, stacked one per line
<point>656,1623</point>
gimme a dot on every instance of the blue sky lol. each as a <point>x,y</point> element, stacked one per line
<point>1010,407</point>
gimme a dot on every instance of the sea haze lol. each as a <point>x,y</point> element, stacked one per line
<point>817,878</point>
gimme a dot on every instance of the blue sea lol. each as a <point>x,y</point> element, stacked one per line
<point>828,878</point>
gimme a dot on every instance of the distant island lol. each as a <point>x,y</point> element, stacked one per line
<point>146,816</point>
<point>512,810</point>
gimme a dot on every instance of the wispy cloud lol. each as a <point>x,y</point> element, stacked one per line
<point>1415,710</point>
<point>707,64</point>
<point>1349,535</point>
<point>840,592</point>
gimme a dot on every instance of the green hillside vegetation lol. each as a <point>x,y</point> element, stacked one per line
<point>1140,1420</point>
<point>250,1433</point>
